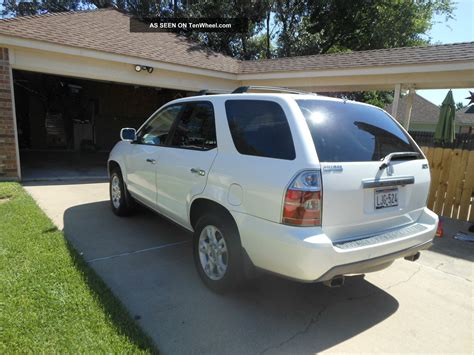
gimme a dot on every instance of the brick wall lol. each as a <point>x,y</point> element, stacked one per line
<point>8,158</point>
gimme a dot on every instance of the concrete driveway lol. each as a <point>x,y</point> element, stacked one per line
<point>424,306</point>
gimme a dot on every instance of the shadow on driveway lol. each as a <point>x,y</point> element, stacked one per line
<point>160,288</point>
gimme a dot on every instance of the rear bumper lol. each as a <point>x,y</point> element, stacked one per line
<point>373,264</point>
<point>308,255</point>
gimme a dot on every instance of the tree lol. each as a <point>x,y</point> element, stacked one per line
<point>245,45</point>
<point>459,105</point>
<point>355,25</point>
<point>102,4</point>
<point>290,15</point>
<point>13,8</point>
<point>331,26</point>
<point>146,8</point>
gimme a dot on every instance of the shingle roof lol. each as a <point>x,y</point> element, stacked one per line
<point>378,57</point>
<point>466,115</point>
<point>107,30</point>
<point>426,112</point>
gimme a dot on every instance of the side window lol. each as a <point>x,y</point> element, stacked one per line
<point>196,127</point>
<point>260,128</point>
<point>155,132</point>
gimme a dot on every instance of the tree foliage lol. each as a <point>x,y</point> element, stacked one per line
<point>13,8</point>
<point>362,25</point>
<point>245,45</point>
<point>459,106</point>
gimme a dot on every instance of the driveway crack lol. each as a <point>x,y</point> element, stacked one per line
<point>138,251</point>
<point>404,281</point>
<point>314,320</point>
<point>311,322</point>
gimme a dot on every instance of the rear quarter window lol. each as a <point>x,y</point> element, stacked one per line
<point>350,132</point>
<point>260,128</point>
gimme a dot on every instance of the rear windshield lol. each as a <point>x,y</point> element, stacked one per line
<point>346,132</point>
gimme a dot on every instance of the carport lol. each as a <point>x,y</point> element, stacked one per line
<point>100,76</point>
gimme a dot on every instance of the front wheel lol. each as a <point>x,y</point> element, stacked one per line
<point>120,200</point>
<point>218,253</point>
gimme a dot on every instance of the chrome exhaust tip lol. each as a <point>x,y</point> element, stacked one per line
<point>336,281</point>
<point>413,257</point>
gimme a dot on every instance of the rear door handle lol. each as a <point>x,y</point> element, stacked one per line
<point>151,161</point>
<point>198,171</point>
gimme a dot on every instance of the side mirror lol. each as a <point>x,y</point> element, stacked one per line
<point>128,134</point>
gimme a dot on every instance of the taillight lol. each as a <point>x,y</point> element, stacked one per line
<point>302,206</point>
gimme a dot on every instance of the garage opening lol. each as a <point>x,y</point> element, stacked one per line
<point>67,126</point>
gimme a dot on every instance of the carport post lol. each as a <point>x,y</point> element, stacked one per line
<point>396,100</point>
<point>406,119</point>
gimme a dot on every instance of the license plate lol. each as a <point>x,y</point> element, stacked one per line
<point>386,198</point>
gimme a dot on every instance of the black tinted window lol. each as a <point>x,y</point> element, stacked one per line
<point>260,128</point>
<point>196,128</point>
<point>156,131</point>
<point>345,132</point>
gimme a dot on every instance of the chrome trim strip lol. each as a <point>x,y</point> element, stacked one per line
<point>388,236</point>
<point>364,236</point>
<point>371,183</point>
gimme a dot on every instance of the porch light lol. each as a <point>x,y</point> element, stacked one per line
<point>139,68</point>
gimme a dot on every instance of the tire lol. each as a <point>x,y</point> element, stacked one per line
<point>214,256</point>
<point>120,200</point>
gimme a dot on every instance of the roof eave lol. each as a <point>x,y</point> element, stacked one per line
<point>26,43</point>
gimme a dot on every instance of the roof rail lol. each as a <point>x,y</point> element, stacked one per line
<point>244,89</point>
<point>211,92</point>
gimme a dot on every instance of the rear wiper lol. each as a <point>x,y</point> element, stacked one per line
<point>389,157</point>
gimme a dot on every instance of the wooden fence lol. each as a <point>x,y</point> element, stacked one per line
<point>452,182</point>
<point>461,140</point>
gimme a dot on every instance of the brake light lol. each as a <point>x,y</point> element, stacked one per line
<point>302,206</point>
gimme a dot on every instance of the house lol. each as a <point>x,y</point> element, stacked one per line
<point>465,119</point>
<point>69,81</point>
<point>425,115</point>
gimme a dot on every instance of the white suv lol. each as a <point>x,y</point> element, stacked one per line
<point>308,187</point>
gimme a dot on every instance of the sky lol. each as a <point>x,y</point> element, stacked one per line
<point>459,29</point>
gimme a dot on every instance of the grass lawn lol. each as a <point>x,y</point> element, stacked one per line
<point>50,300</point>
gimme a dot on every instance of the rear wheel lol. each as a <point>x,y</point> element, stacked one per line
<point>218,253</point>
<point>120,199</point>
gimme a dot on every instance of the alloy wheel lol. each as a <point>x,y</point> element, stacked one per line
<point>116,191</point>
<point>213,252</point>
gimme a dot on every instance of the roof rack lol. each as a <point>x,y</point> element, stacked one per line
<point>211,92</point>
<point>244,89</point>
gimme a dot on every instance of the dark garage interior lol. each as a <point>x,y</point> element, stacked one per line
<point>67,126</point>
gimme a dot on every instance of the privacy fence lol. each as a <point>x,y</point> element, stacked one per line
<point>452,180</point>
<point>426,139</point>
